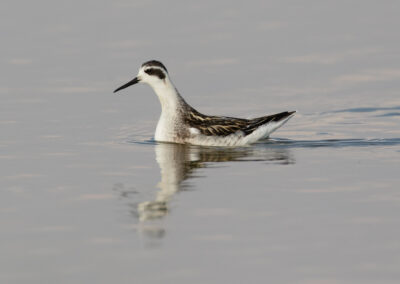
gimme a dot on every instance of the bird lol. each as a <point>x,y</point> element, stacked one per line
<point>180,123</point>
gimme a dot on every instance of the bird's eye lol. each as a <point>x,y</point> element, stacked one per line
<point>155,72</point>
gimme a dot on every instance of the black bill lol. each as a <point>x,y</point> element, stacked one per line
<point>130,83</point>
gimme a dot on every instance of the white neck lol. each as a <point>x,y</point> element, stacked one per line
<point>167,94</point>
<point>171,102</point>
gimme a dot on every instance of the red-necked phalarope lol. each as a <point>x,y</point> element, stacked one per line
<point>180,123</point>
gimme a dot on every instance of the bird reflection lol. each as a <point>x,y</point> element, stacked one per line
<point>179,163</point>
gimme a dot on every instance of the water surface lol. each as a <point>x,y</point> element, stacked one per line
<point>87,195</point>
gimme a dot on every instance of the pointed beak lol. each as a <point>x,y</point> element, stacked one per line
<point>130,83</point>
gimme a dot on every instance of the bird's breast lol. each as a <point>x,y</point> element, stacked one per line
<point>170,128</point>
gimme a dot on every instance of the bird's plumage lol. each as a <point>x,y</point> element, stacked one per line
<point>224,126</point>
<point>181,123</point>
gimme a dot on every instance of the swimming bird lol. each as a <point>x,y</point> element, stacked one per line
<point>181,123</point>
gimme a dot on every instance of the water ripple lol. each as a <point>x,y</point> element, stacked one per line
<point>389,114</point>
<point>288,143</point>
<point>334,143</point>
<point>363,109</point>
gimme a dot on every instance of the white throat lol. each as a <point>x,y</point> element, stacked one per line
<point>171,103</point>
<point>167,94</point>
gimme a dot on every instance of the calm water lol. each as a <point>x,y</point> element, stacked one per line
<point>87,196</point>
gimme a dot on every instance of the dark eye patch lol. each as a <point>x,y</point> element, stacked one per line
<point>155,72</point>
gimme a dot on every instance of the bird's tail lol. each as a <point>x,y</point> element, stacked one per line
<point>262,127</point>
<point>277,119</point>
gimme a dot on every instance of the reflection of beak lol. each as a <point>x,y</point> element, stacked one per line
<point>130,83</point>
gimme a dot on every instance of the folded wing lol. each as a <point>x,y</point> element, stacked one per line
<point>224,126</point>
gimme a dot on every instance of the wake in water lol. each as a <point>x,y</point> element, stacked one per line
<point>287,143</point>
<point>365,109</point>
<point>363,125</point>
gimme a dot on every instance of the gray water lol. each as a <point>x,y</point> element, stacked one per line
<point>87,196</point>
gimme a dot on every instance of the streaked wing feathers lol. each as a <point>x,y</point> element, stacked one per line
<point>224,126</point>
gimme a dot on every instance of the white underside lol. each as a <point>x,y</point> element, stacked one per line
<point>171,129</point>
<point>166,128</point>
<point>236,139</point>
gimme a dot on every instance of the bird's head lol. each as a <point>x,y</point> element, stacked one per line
<point>151,72</point>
